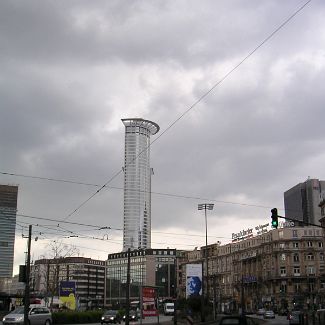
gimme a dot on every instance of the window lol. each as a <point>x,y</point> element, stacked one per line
<point>310,257</point>
<point>296,271</point>
<point>283,271</point>
<point>297,287</point>
<point>320,244</point>
<point>310,270</point>
<point>283,288</point>
<point>309,244</point>
<point>296,257</point>
<point>295,245</point>
<point>295,233</point>
<point>283,257</point>
<point>281,245</point>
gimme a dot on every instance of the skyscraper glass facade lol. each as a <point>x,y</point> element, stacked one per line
<point>148,267</point>
<point>301,202</point>
<point>137,183</point>
<point>8,209</point>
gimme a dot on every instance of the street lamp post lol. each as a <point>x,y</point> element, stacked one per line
<point>205,207</point>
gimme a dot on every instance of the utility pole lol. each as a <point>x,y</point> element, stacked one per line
<point>205,207</point>
<point>127,309</point>
<point>175,290</point>
<point>214,298</point>
<point>242,296</point>
<point>26,302</point>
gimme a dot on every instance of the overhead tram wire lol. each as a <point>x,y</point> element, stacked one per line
<point>110,241</point>
<point>67,222</point>
<point>197,198</point>
<point>220,81</point>
<point>110,228</point>
<point>50,179</point>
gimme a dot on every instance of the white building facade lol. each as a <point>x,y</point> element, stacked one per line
<point>137,183</point>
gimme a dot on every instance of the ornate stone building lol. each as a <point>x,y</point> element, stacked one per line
<point>279,269</point>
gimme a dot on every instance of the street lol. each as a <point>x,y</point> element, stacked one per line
<point>278,320</point>
<point>147,320</point>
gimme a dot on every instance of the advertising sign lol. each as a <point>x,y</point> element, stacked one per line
<point>68,294</point>
<point>243,234</point>
<point>193,280</point>
<point>149,301</point>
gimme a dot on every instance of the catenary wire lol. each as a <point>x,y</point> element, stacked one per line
<point>110,241</point>
<point>112,228</point>
<point>180,196</point>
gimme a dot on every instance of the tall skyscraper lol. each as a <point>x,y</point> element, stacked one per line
<point>137,183</point>
<point>8,210</point>
<point>301,202</point>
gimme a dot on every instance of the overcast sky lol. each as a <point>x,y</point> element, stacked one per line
<point>71,70</point>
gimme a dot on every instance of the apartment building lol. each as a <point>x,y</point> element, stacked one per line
<point>280,269</point>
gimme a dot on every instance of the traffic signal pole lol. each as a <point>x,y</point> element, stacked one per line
<point>26,302</point>
<point>275,217</point>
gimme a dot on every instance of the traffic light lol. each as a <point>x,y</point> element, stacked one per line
<point>22,273</point>
<point>274,217</point>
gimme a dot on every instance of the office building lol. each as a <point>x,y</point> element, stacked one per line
<point>301,202</point>
<point>137,183</point>
<point>148,267</point>
<point>8,210</point>
<point>88,275</point>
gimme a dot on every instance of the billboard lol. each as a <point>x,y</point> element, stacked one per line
<point>149,301</point>
<point>193,280</point>
<point>68,294</point>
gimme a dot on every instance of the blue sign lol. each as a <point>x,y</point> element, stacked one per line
<point>67,288</point>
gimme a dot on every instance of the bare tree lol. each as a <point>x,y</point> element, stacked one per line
<point>48,272</point>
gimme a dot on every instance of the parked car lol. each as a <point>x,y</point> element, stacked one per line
<point>36,316</point>
<point>111,316</point>
<point>260,311</point>
<point>294,317</point>
<point>133,316</point>
<point>269,314</point>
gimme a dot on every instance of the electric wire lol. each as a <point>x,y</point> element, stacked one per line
<point>118,229</point>
<point>180,196</point>
<point>116,241</point>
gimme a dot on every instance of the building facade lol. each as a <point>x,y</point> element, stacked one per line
<point>8,210</point>
<point>280,269</point>
<point>137,183</point>
<point>148,267</point>
<point>301,202</point>
<point>88,275</point>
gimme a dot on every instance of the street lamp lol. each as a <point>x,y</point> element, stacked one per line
<point>205,207</point>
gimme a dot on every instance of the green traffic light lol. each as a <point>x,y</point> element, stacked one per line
<point>274,217</point>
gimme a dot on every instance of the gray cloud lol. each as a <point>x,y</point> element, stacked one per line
<point>71,70</point>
